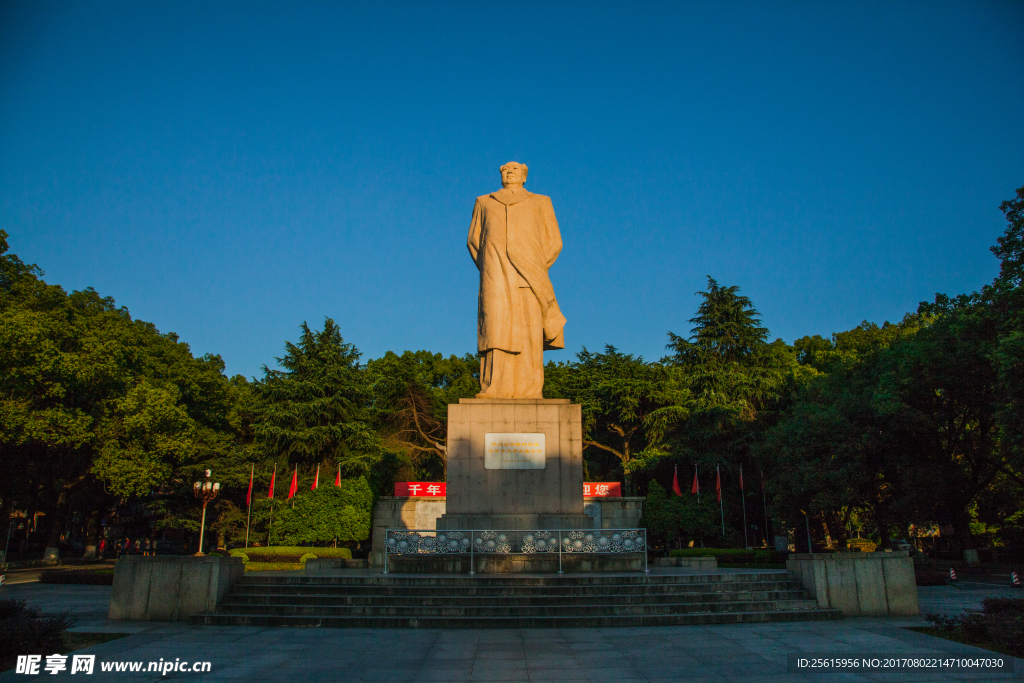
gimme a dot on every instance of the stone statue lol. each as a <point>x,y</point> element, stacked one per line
<point>513,240</point>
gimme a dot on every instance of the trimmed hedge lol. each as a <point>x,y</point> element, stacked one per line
<point>734,555</point>
<point>288,554</point>
<point>272,566</point>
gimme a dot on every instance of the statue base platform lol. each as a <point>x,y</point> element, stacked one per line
<point>514,464</point>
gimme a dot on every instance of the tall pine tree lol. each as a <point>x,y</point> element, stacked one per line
<point>316,409</point>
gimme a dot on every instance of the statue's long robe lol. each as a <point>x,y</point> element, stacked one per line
<point>513,240</point>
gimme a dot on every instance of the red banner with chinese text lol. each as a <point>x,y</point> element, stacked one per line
<point>428,489</point>
<point>602,489</point>
<point>437,489</point>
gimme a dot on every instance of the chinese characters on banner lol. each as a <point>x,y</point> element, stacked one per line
<point>602,489</point>
<point>428,489</point>
<point>436,489</point>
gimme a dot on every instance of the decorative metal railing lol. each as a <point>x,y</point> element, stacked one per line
<point>514,542</point>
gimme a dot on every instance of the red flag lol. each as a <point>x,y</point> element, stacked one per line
<point>718,483</point>
<point>741,478</point>
<point>337,480</point>
<point>272,478</point>
<point>316,480</point>
<point>675,483</point>
<point>295,483</point>
<point>248,496</point>
<point>696,484</point>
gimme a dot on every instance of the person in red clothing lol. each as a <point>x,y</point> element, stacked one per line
<point>103,547</point>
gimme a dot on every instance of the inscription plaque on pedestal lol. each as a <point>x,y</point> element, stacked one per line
<point>514,452</point>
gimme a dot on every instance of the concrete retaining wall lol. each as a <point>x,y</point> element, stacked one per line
<point>859,584</point>
<point>170,588</point>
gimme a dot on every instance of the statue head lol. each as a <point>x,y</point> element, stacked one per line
<point>513,174</point>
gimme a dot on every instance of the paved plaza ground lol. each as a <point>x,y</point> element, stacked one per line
<point>723,654</point>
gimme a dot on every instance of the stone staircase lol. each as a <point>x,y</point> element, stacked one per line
<point>495,601</point>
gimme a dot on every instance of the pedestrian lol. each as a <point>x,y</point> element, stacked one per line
<point>138,546</point>
<point>145,547</point>
<point>103,547</point>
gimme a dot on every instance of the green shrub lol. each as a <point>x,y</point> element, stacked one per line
<point>330,513</point>
<point>24,631</point>
<point>669,517</point>
<point>272,566</point>
<point>734,555</point>
<point>288,554</point>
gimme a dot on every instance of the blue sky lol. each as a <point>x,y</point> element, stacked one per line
<point>229,170</point>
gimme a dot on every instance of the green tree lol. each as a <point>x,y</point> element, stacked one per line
<point>628,405</point>
<point>734,377</point>
<point>92,399</point>
<point>411,394</point>
<point>317,408</point>
<point>328,514</point>
<point>831,452</point>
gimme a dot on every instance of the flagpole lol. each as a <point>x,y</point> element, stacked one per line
<point>698,502</point>
<point>270,527</point>
<point>248,519</point>
<point>721,506</point>
<point>765,501</point>
<point>743,495</point>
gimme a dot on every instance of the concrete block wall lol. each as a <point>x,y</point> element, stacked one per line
<point>393,512</point>
<point>859,584</point>
<point>170,588</point>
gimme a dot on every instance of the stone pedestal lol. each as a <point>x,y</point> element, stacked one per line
<point>479,497</point>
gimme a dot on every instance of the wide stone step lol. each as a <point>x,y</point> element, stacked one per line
<point>517,581</point>
<point>512,591</point>
<point>502,600</point>
<point>682,619</point>
<point>521,611</point>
